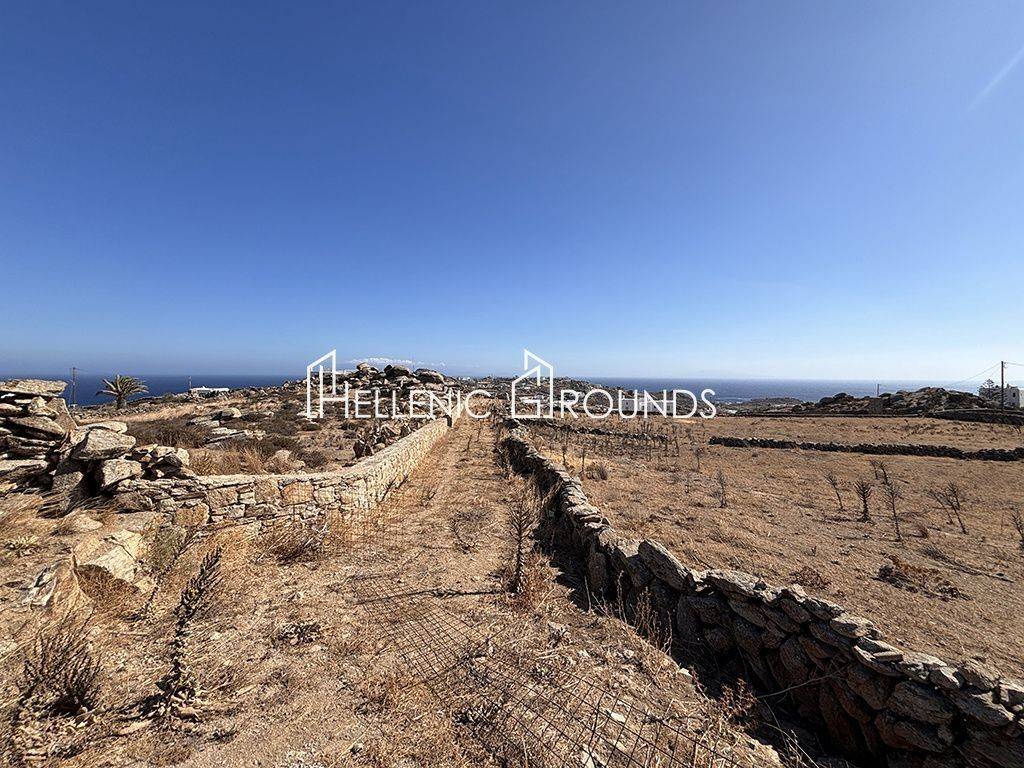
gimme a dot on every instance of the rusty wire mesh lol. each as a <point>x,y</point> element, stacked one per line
<point>527,709</point>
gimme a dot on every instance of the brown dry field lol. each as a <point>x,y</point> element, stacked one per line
<point>387,610</point>
<point>783,523</point>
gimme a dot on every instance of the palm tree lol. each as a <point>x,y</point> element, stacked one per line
<point>123,387</point>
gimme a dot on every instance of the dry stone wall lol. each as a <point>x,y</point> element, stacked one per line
<point>264,499</point>
<point>885,705</point>
<point>876,449</point>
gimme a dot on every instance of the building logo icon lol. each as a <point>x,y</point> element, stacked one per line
<point>316,382</point>
<point>542,405</point>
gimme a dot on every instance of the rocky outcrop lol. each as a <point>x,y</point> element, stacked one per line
<point>870,699</point>
<point>874,449</point>
<point>34,425</point>
<point>920,402</point>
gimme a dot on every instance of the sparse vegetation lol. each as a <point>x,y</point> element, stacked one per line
<point>122,388</point>
<point>950,498</point>
<point>720,491</point>
<point>864,489</point>
<point>833,482</point>
<point>179,692</point>
<point>893,495</point>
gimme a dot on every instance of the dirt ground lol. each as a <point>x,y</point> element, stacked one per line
<point>396,644</point>
<point>955,594</point>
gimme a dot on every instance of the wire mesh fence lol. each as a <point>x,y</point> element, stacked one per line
<point>534,711</point>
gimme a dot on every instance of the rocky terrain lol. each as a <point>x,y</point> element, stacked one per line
<point>921,402</point>
<point>224,580</point>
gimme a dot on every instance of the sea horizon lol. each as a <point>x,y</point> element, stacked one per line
<point>726,389</point>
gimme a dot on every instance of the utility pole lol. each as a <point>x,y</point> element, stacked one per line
<point>1002,385</point>
<point>74,387</point>
<point>878,389</point>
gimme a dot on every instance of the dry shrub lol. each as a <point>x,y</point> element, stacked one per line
<point>521,522</point>
<point>15,509</point>
<point>61,674</point>
<point>297,633</point>
<point>206,461</point>
<point>314,459</point>
<point>253,459</point>
<point>652,624</point>
<point>467,526</point>
<point>809,577</point>
<point>598,471</point>
<point>110,596</point>
<point>720,491</point>
<point>59,692</point>
<point>914,578</point>
<point>294,541</point>
<point>721,729</point>
<point>175,434</point>
<point>533,585</point>
<point>1018,523</point>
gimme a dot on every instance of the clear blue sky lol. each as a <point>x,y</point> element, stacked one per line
<point>789,189</point>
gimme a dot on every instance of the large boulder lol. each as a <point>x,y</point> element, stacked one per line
<point>115,556</point>
<point>112,471</point>
<point>394,371</point>
<point>428,375</point>
<point>17,470</point>
<point>102,444</point>
<point>38,425</point>
<point>55,588</point>
<point>32,387</point>
<point>114,426</point>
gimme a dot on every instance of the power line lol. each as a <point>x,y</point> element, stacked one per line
<point>980,373</point>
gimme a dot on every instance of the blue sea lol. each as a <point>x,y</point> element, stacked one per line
<point>741,390</point>
<point>158,384</point>
<point>726,390</point>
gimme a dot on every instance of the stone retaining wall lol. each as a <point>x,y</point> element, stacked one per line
<point>1009,416</point>
<point>876,449</point>
<point>870,699</point>
<point>264,499</point>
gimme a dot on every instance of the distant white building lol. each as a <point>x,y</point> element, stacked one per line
<point>207,391</point>
<point>1011,396</point>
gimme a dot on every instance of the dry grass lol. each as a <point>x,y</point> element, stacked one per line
<point>294,541</point>
<point>782,517</point>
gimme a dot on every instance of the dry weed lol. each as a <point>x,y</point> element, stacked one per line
<point>179,692</point>
<point>914,578</point>
<point>295,541</point>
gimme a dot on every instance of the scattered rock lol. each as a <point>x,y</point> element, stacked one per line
<point>102,444</point>
<point>112,471</point>
<point>32,387</point>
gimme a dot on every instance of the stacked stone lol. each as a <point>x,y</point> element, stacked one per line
<point>397,378</point>
<point>34,424</point>
<point>875,449</point>
<point>268,499</point>
<point>99,457</point>
<point>218,433</point>
<point>870,699</point>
